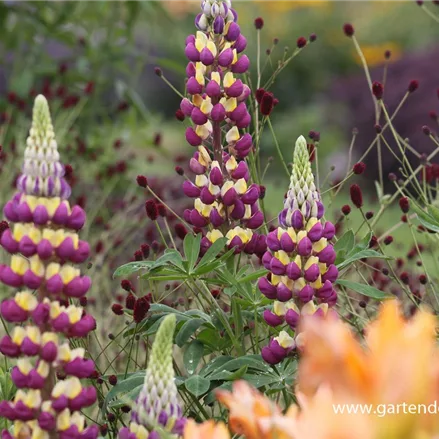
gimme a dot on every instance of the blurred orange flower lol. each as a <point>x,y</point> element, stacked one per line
<point>207,430</point>
<point>397,368</point>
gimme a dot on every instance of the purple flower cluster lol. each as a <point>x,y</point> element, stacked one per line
<point>44,244</point>
<point>224,199</point>
<point>300,260</point>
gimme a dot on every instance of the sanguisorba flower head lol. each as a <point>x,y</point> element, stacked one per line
<point>44,244</point>
<point>300,259</point>
<point>224,198</point>
<point>157,407</point>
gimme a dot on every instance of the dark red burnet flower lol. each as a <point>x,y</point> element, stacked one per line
<point>152,210</point>
<point>301,42</point>
<point>413,86</point>
<point>141,308</point>
<point>179,115</point>
<point>127,285</point>
<point>431,173</point>
<point>377,90</point>
<point>180,230</point>
<point>312,151</point>
<point>259,23</point>
<point>369,215</point>
<point>138,256</point>
<point>145,249</point>
<point>359,168</point>
<point>356,195</point>
<point>112,379</point>
<point>314,135</point>
<point>130,301</point>
<point>348,29</point>
<point>117,308</point>
<point>404,204</point>
<point>388,240</point>
<point>89,88</point>
<point>346,209</point>
<point>142,181</point>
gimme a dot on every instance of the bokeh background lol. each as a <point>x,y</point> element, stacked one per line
<point>115,118</point>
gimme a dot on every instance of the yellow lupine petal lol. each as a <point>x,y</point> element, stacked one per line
<point>36,265</point>
<point>74,313</point>
<point>18,335</point>
<point>43,369</point>
<point>232,135</point>
<point>52,204</point>
<point>229,80</point>
<point>311,223</point>
<point>231,164</point>
<point>19,265</point>
<point>308,309</point>
<point>279,308</point>
<point>215,76</point>
<point>283,257</point>
<point>320,245</point>
<point>34,334</point>
<point>26,300</point>
<point>201,180</point>
<point>63,420</point>
<point>206,106</point>
<point>211,46</point>
<point>31,201</point>
<point>214,235</point>
<point>285,340</point>
<point>311,260</point>
<point>230,104</point>
<point>24,366</point>
<point>241,186</point>
<point>68,273</point>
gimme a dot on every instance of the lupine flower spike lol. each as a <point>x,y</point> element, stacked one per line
<point>300,259</point>
<point>224,199</point>
<point>157,407</point>
<point>44,245</point>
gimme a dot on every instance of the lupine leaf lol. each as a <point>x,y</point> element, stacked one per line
<point>192,356</point>
<point>197,385</point>
<point>187,330</point>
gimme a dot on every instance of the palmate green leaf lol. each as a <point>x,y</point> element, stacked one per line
<point>212,252</point>
<point>187,330</point>
<point>346,243</point>
<point>210,398</point>
<point>225,375</point>
<point>122,388</point>
<point>361,255</point>
<point>365,290</point>
<point>192,356</point>
<point>191,245</point>
<point>215,365</point>
<point>170,257</point>
<point>197,385</point>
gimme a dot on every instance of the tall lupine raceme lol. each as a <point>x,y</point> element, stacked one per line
<point>157,407</point>
<point>224,198</point>
<point>300,259</point>
<point>44,244</point>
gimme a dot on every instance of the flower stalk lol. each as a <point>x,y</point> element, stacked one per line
<point>44,246</point>
<point>300,260</point>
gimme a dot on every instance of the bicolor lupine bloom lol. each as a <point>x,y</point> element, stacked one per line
<point>157,407</point>
<point>224,198</point>
<point>44,245</point>
<point>300,259</point>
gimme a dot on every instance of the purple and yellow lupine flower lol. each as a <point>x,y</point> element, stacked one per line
<point>224,199</point>
<point>300,259</point>
<point>44,245</point>
<point>157,407</point>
